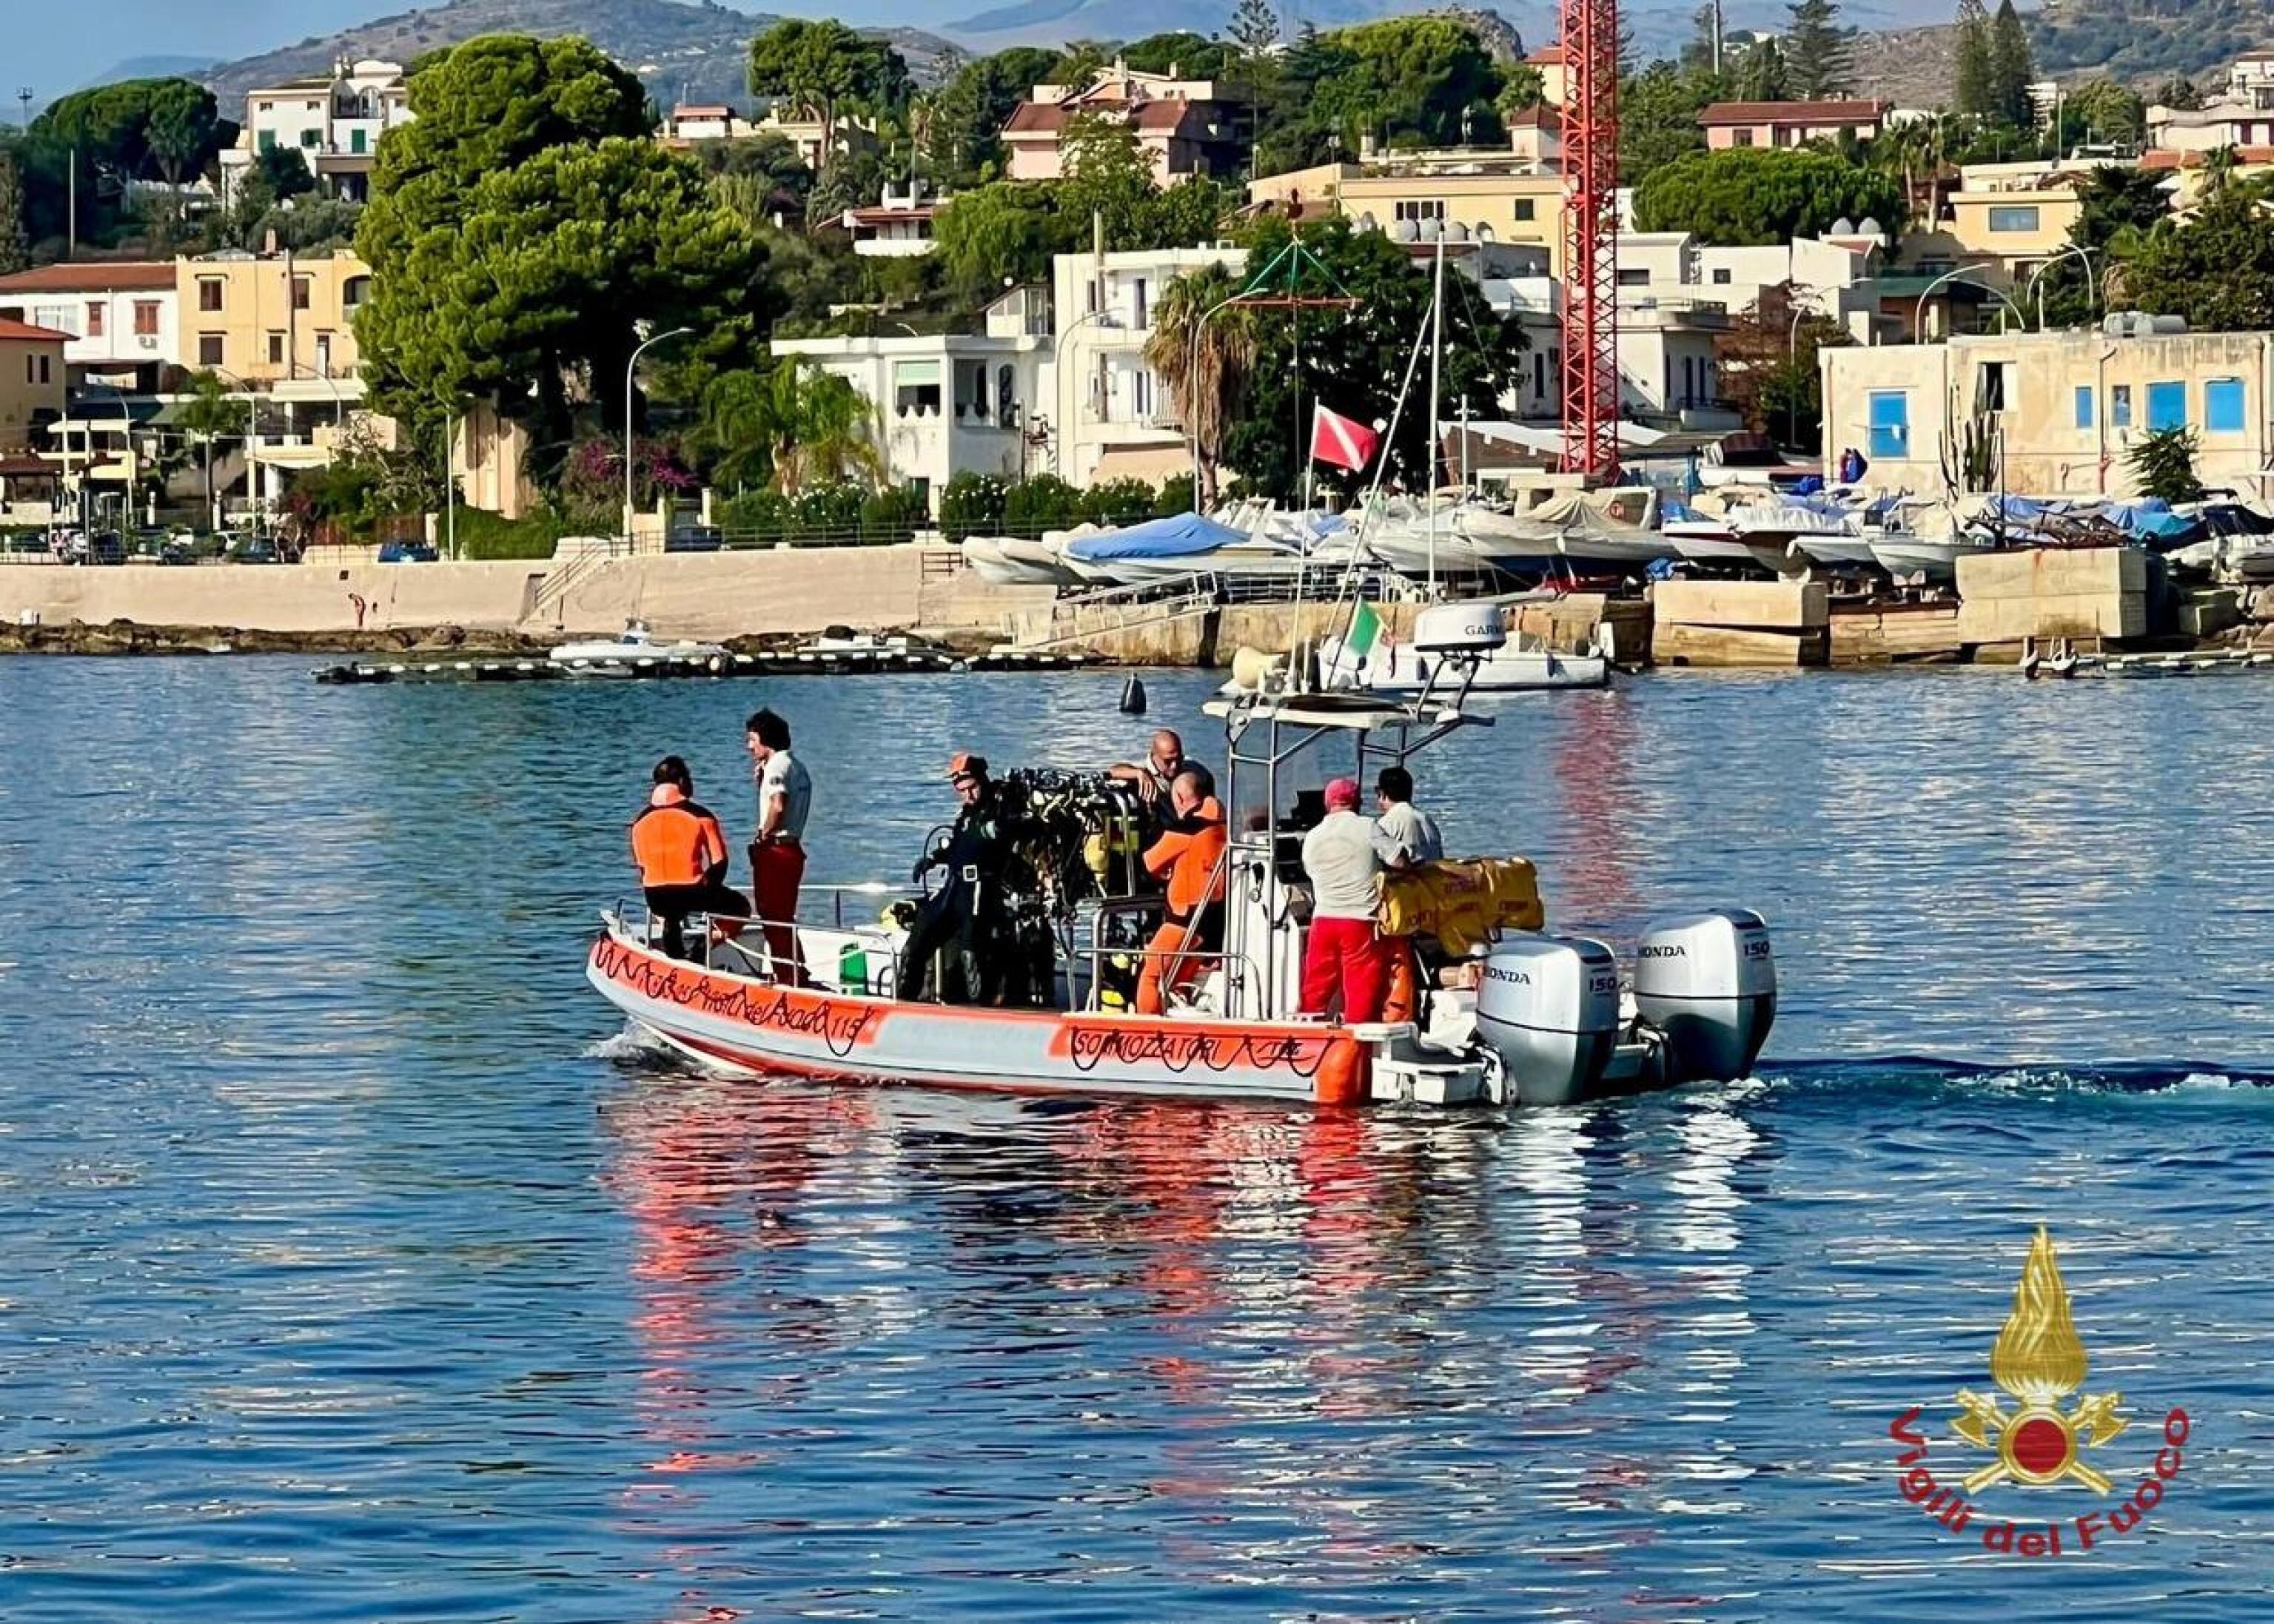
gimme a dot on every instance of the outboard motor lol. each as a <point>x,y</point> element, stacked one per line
<point>1549,1007</point>
<point>1708,981</point>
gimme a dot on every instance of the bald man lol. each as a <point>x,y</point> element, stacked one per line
<point>1158,770</point>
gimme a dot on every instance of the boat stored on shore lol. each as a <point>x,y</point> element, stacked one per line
<point>1505,1013</point>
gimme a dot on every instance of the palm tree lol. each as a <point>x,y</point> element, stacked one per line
<point>795,426</point>
<point>2218,170</point>
<point>1202,361</point>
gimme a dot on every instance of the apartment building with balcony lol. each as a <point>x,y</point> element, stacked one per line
<point>948,404</point>
<point>1112,416</point>
<point>122,316</point>
<point>335,121</point>
<point>1183,126</point>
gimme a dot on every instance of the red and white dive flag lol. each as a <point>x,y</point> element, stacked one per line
<point>1342,441</point>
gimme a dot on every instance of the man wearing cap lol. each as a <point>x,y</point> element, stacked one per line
<point>1343,961</point>
<point>960,912</point>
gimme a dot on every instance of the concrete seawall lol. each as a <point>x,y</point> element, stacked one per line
<point>686,594</point>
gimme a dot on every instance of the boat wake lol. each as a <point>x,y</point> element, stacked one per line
<point>1901,1073</point>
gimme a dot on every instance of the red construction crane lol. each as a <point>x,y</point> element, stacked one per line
<point>1591,237</point>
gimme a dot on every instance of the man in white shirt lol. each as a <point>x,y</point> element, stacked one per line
<point>778,852</point>
<point>1344,959</point>
<point>1406,834</point>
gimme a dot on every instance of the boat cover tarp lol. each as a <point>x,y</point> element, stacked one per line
<point>1185,536</point>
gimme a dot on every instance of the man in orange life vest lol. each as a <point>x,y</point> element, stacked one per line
<point>681,854</point>
<point>1190,852</point>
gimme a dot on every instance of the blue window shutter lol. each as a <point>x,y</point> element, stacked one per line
<point>1891,422</point>
<point>2167,406</point>
<point>2084,406</point>
<point>2223,406</point>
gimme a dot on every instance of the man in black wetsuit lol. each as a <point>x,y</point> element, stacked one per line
<point>963,915</point>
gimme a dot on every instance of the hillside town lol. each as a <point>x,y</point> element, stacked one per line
<point>403,304</point>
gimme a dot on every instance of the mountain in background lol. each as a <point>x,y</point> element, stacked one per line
<point>2147,41</point>
<point>682,52</point>
<point>149,67</point>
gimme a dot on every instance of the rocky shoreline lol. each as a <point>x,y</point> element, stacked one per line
<point>134,637</point>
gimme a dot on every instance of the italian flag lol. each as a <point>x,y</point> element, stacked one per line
<point>1364,632</point>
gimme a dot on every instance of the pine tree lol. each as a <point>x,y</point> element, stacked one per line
<point>15,250</point>
<point>2011,69</point>
<point>1974,92</point>
<point>1254,28</point>
<point>1819,55</point>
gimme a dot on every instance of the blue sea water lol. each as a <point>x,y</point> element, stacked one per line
<point>356,1264</point>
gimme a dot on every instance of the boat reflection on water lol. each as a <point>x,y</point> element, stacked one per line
<point>1198,1337</point>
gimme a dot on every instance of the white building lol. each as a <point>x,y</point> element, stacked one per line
<point>1831,275</point>
<point>692,122</point>
<point>900,226</point>
<point>123,317</point>
<point>1111,418</point>
<point>334,121</point>
<point>951,403</point>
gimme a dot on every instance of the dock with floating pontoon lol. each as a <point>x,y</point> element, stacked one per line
<point>821,662</point>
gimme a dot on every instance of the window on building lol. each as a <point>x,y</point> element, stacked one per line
<point>1538,375</point>
<point>1524,208</point>
<point>209,292</point>
<point>1741,138</point>
<point>2223,406</point>
<point>357,289</point>
<point>1138,311</point>
<point>2167,405</point>
<point>146,318</point>
<point>1141,396</point>
<point>310,140</point>
<point>46,373</point>
<point>276,349</point>
<point>1721,275</point>
<point>323,355</point>
<point>1891,423</point>
<point>1634,276</point>
<point>268,140</point>
<point>915,387</point>
<point>94,319</point>
<point>1419,208</point>
<point>359,140</point>
<point>209,348</point>
<point>2013,217</point>
<point>2120,406</point>
<point>1995,385</point>
<point>56,317</point>
<point>2084,406</point>
<point>300,292</point>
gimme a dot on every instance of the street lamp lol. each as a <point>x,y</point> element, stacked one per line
<point>1104,318</point>
<point>629,367</point>
<point>1958,273</point>
<point>2036,279</point>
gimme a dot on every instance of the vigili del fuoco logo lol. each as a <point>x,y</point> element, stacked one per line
<point>2054,1435</point>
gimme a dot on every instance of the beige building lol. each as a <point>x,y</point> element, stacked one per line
<point>1184,126</point>
<point>334,121</point>
<point>273,319</point>
<point>1461,194</point>
<point>1553,81</point>
<point>31,382</point>
<point>2066,407</point>
<point>2013,216</point>
<point>1788,123</point>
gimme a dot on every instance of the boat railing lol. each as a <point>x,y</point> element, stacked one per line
<point>1178,958</point>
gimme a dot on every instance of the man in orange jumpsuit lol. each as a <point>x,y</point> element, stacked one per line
<point>681,854</point>
<point>1190,852</point>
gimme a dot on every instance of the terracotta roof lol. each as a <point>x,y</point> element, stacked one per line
<point>94,276</point>
<point>1035,117</point>
<point>1546,57</point>
<point>1537,119</point>
<point>921,213</point>
<point>1793,113</point>
<point>703,109</point>
<point>25,465</point>
<point>1162,115</point>
<point>12,328</point>
<point>2158,158</point>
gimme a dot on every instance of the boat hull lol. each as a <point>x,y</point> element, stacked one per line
<point>752,1027</point>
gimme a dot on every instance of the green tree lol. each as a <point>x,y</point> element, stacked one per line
<point>1976,93</point>
<point>1523,89</point>
<point>1759,195</point>
<point>15,248</point>
<point>2163,464</point>
<point>1658,117</point>
<point>2216,268</point>
<point>1189,55</point>
<point>827,69</point>
<point>1407,78</point>
<point>1819,54</point>
<point>2011,69</point>
<point>2108,111</point>
<point>1254,32</point>
<point>275,174</point>
<point>1107,174</point>
<point>790,428</point>
<point>2180,93</point>
<point>537,296</point>
<point>1761,73</point>
<point>209,416</point>
<point>1353,359</point>
<point>1768,368</point>
<point>2118,206</point>
<point>963,140</point>
<point>1003,233</point>
<point>1203,360</point>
